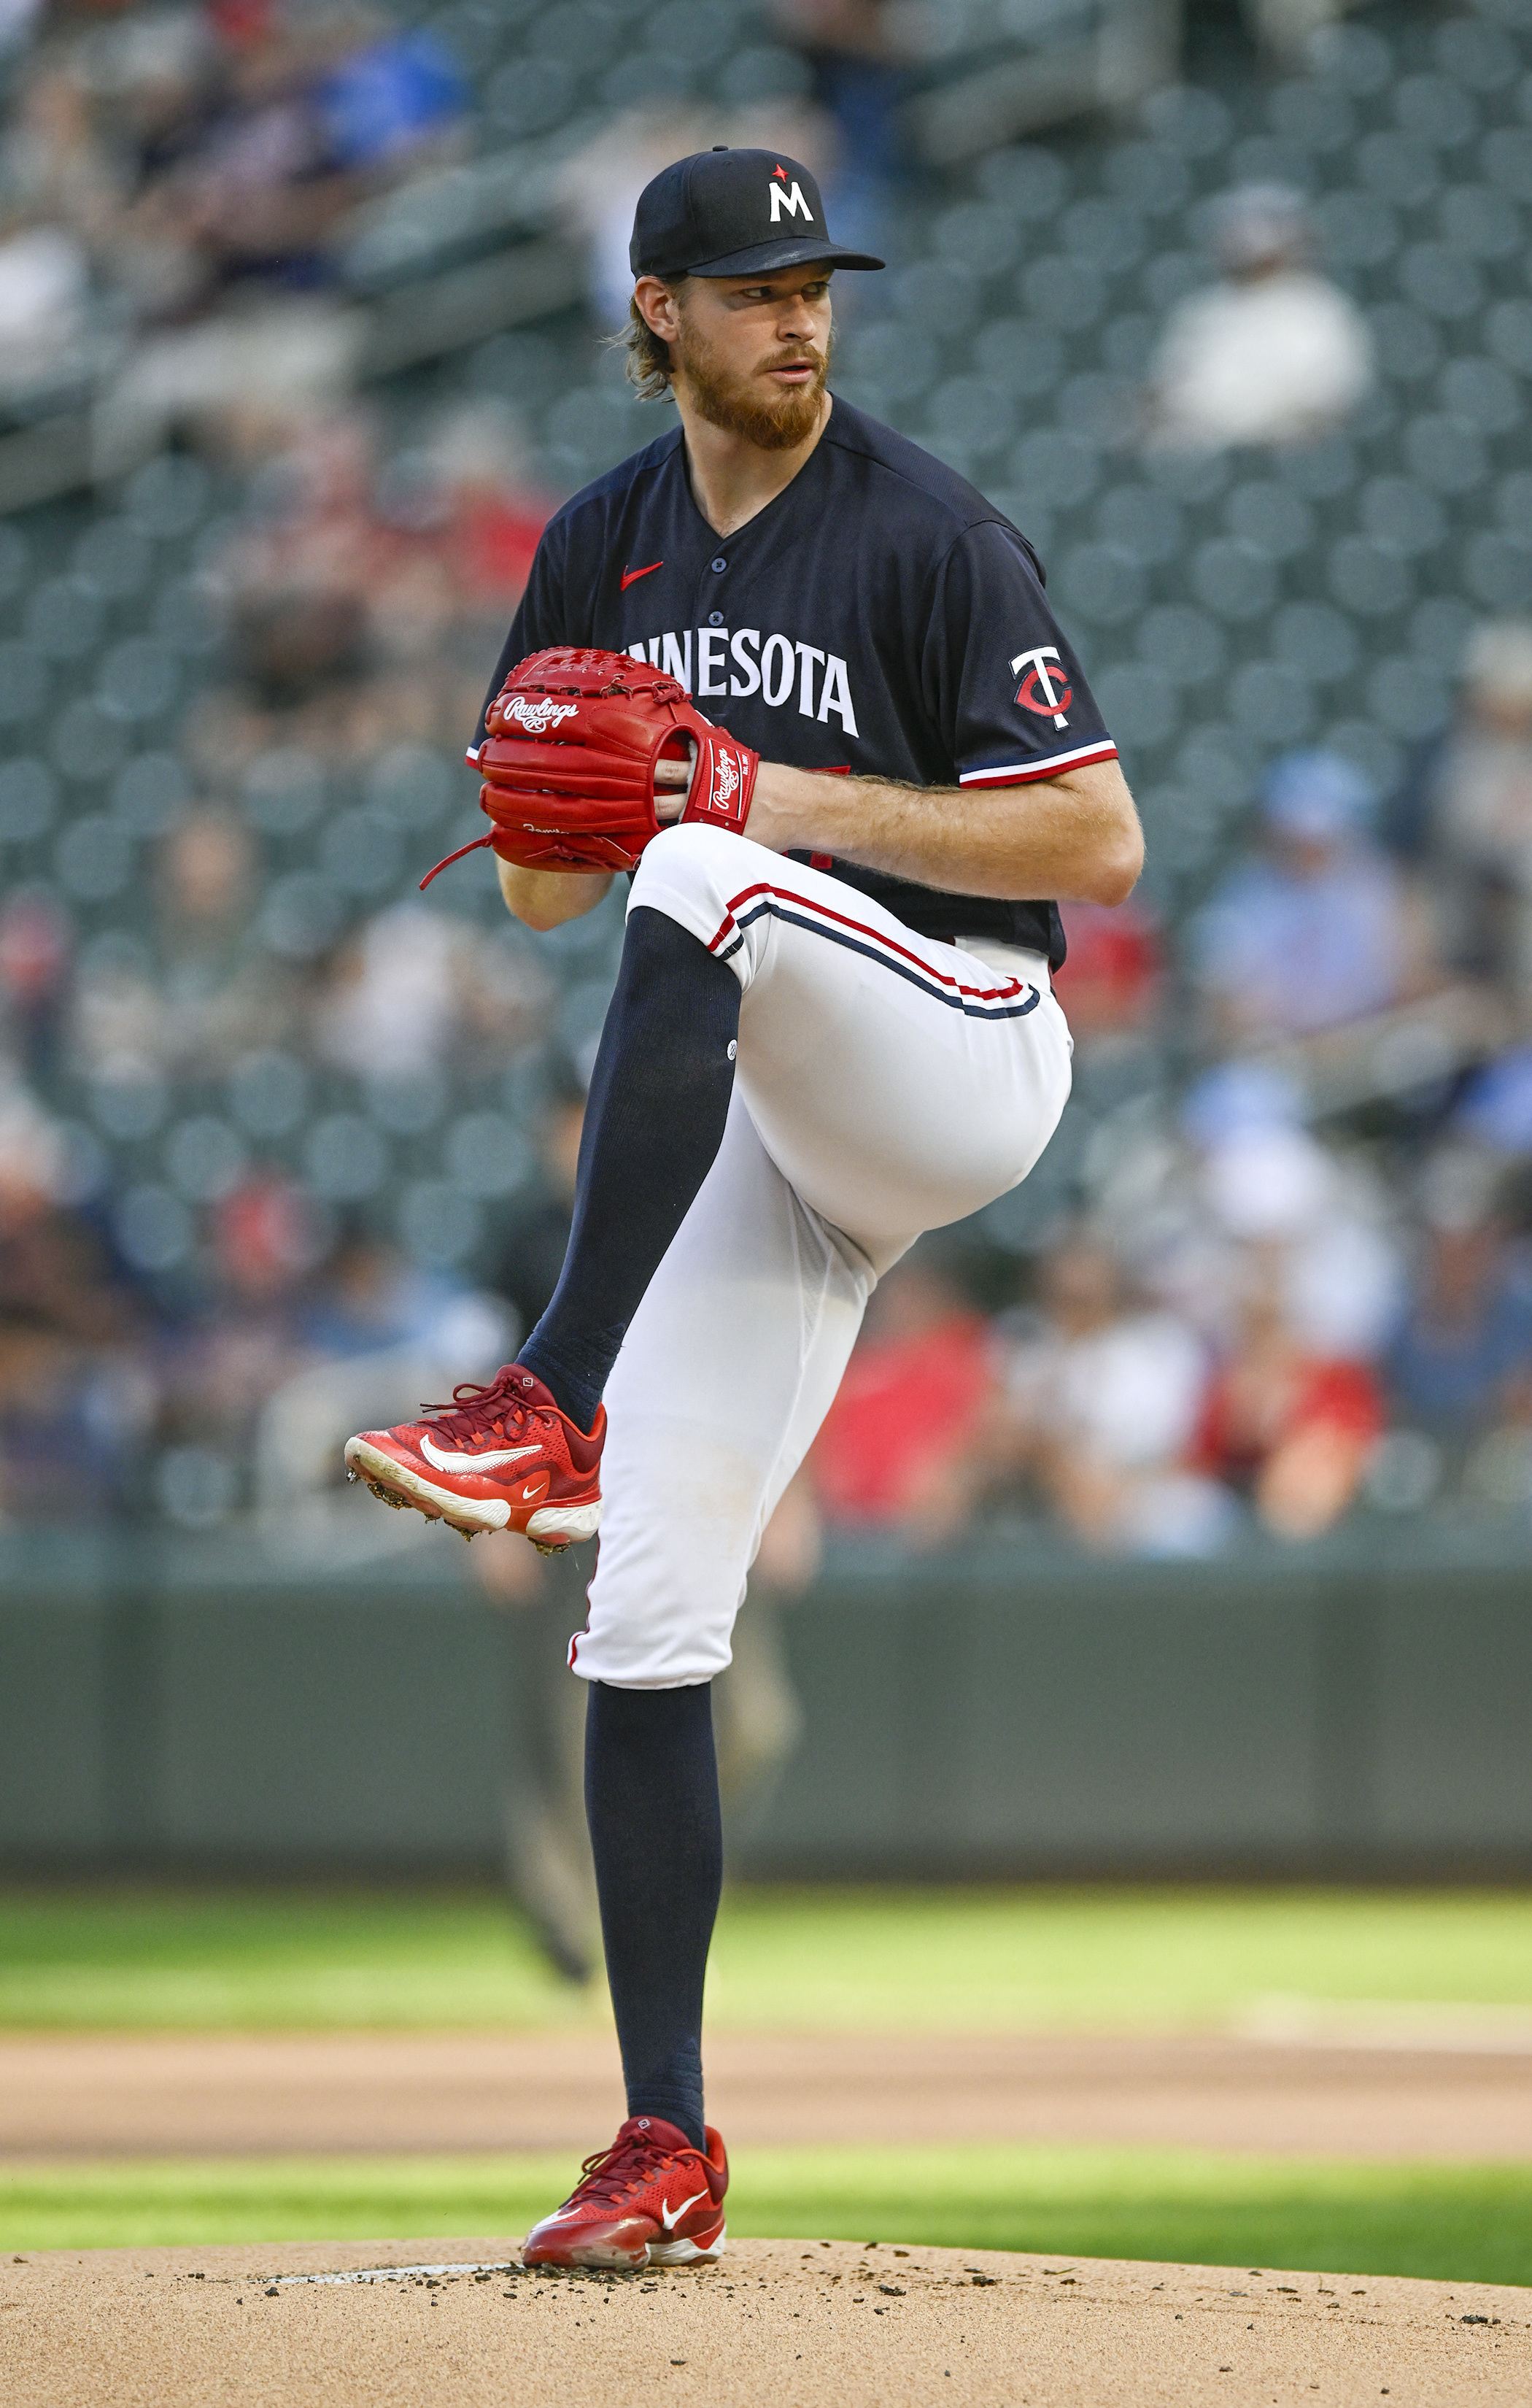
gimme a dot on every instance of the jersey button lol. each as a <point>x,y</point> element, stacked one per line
<point>715,618</point>
<point>719,567</point>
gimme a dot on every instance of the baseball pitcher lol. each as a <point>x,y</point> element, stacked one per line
<point>801,683</point>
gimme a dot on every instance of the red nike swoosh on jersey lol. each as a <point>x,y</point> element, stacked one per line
<point>630,576</point>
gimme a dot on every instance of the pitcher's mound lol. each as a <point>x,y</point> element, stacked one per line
<point>431,2324</point>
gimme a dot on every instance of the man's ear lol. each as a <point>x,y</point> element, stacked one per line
<point>658,308</point>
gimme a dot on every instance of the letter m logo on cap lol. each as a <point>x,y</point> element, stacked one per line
<point>788,204</point>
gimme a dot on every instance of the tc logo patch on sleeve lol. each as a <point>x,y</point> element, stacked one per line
<point>1042,690</point>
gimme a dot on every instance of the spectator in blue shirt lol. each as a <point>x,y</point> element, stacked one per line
<point>1316,929</point>
<point>1460,1362</point>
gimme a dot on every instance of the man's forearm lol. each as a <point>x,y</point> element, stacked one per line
<point>1074,837</point>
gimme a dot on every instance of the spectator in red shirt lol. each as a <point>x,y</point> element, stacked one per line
<point>1290,1429</point>
<point>913,1396</point>
<point>1111,983</point>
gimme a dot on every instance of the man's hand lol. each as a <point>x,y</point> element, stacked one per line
<point>672,785</point>
<point>568,758</point>
<point>545,898</point>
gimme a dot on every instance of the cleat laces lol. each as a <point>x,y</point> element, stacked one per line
<point>482,1409</point>
<point>613,2173</point>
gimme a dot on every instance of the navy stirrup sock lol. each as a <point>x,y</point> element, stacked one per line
<point>656,1836</point>
<point>659,1098</point>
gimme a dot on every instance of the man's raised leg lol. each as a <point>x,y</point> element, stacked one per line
<point>659,1100</point>
<point>524,1452</point>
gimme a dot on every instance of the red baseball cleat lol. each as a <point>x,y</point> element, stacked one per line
<point>501,1457</point>
<point>651,2199</point>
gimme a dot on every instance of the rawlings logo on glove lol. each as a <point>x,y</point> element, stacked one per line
<point>570,747</point>
<point>538,717</point>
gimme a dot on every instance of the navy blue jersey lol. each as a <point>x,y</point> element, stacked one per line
<point>878,616</point>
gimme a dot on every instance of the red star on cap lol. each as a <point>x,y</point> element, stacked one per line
<point>779,170</point>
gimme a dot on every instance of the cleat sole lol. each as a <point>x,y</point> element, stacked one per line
<point>688,2253</point>
<point>399,1487</point>
<point>551,1528</point>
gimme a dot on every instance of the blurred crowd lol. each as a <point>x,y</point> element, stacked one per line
<point>194,197</point>
<point>1270,1341</point>
<point>173,183</point>
<point>208,1097</point>
<point>286,1146</point>
<point>1298,1278</point>
<point>1305,1281</point>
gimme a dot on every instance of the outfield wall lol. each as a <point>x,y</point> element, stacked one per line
<point>1364,1708</point>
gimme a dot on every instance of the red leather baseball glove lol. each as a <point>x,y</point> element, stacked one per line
<point>568,757</point>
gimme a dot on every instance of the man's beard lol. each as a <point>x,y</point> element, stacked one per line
<point>733,403</point>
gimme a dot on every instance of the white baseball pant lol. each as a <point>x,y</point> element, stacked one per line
<point>885,1084</point>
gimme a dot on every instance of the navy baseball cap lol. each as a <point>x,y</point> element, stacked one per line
<point>733,213</point>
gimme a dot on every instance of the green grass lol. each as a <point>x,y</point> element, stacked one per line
<point>960,1959</point>
<point>190,1960</point>
<point>1047,1958</point>
<point>1458,2223</point>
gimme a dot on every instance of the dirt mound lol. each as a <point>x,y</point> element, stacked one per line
<point>779,2324</point>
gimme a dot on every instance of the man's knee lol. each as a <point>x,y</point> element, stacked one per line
<point>648,1653</point>
<point>662,1606</point>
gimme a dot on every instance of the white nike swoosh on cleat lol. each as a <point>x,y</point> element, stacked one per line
<point>445,1461</point>
<point>670,2218</point>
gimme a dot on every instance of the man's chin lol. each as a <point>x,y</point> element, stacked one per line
<point>787,424</point>
<point>773,420</point>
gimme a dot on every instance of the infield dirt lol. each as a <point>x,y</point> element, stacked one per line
<point>785,2323</point>
<point>100,2094</point>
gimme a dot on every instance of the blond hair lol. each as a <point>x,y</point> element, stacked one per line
<point>647,361</point>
